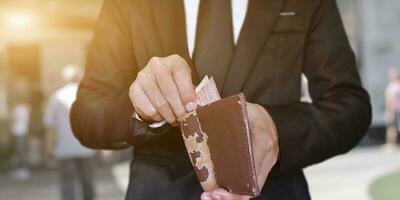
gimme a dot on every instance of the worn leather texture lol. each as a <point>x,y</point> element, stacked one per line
<point>223,128</point>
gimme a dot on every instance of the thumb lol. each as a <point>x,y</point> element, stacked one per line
<point>222,194</point>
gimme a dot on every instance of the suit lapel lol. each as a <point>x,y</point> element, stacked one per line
<point>258,24</point>
<point>169,19</point>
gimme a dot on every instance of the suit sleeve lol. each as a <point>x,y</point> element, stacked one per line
<point>340,113</point>
<point>101,116</point>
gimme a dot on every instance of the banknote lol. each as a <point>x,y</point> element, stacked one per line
<point>207,92</point>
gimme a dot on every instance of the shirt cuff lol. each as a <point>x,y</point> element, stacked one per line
<point>151,125</point>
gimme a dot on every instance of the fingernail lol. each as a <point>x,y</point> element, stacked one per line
<point>190,106</point>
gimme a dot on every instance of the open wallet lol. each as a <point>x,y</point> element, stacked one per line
<point>217,137</point>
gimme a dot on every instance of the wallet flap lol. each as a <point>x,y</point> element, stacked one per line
<point>217,137</point>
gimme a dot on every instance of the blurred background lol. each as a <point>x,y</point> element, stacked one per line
<point>39,38</point>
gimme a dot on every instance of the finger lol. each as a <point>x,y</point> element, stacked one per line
<point>183,78</point>
<point>205,196</point>
<point>169,90</point>
<point>225,195</point>
<point>142,105</point>
<point>155,96</point>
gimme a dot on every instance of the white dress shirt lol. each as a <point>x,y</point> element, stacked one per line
<point>239,10</point>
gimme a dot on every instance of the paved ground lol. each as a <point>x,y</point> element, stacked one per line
<point>43,185</point>
<point>344,177</point>
<point>341,178</point>
<point>349,176</point>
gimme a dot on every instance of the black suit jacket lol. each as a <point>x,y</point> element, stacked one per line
<point>272,51</point>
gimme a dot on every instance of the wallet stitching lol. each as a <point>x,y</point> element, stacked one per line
<point>241,101</point>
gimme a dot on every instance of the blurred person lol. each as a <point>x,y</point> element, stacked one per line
<point>146,57</point>
<point>392,109</point>
<point>19,129</point>
<point>3,102</point>
<point>75,161</point>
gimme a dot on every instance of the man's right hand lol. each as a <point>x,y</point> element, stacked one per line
<point>163,90</point>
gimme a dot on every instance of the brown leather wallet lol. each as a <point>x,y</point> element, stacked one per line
<point>218,140</point>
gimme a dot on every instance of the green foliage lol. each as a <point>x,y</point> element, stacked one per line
<point>386,187</point>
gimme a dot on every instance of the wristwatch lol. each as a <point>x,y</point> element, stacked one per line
<point>151,125</point>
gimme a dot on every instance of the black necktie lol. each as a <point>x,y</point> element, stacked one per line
<point>214,39</point>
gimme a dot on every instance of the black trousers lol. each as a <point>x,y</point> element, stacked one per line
<point>155,182</point>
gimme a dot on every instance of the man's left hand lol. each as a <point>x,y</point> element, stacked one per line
<point>265,151</point>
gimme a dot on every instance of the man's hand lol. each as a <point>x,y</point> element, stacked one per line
<point>163,90</point>
<point>265,151</point>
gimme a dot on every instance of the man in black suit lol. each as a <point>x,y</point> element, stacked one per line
<point>147,55</point>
